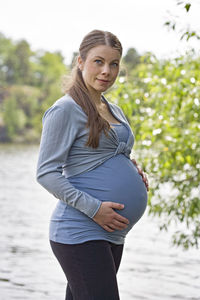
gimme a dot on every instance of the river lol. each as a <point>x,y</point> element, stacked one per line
<point>151,268</point>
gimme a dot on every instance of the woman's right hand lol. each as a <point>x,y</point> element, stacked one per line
<point>110,220</point>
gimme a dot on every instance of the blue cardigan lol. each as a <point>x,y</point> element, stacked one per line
<point>63,152</point>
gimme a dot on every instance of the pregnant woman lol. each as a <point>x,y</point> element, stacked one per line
<point>84,162</point>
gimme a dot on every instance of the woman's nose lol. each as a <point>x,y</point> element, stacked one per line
<point>106,69</point>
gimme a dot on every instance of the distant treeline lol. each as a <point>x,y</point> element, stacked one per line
<point>29,82</point>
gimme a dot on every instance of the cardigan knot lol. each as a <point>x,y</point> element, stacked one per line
<point>122,148</point>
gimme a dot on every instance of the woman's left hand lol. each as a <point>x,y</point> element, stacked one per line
<point>143,174</point>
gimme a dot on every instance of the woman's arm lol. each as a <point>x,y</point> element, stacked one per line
<point>58,134</point>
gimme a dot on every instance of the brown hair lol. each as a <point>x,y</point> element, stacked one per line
<point>77,89</point>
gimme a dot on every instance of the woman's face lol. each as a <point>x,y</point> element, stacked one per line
<point>100,68</point>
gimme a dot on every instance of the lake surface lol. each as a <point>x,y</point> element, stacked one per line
<point>150,270</point>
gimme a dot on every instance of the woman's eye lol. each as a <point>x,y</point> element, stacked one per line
<point>98,61</point>
<point>115,64</point>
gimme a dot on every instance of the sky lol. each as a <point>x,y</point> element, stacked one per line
<point>60,25</point>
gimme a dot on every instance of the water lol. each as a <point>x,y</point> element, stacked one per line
<point>150,268</point>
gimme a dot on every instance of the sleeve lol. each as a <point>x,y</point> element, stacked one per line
<point>59,132</point>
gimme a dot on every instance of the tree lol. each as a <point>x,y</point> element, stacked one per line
<point>49,70</point>
<point>162,102</point>
<point>23,56</point>
<point>73,60</point>
<point>15,65</point>
<point>7,60</point>
<point>14,118</point>
<point>29,83</point>
<point>131,60</point>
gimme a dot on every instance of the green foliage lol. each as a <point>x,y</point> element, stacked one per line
<point>130,60</point>
<point>51,67</point>
<point>15,67</point>
<point>14,118</point>
<point>29,83</point>
<point>187,6</point>
<point>161,99</point>
<point>173,23</point>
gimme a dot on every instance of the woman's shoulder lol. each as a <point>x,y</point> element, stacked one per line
<point>64,108</point>
<point>67,104</point>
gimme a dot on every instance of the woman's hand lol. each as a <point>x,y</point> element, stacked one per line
<point>107,218</point>
<point>144,176</point>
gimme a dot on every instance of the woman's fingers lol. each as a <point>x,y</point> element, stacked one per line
<point>118,217</point>
<point>145,179</point>
<point>107,228</point>
<point>108,218</point>
<point>121,219</point>
<point>143,174</point>
<point>116,205</point>
<point>119,225</point>
<point>134,161</point>
<point>115,225</point>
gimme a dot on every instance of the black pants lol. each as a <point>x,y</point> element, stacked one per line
<point>90,269</point>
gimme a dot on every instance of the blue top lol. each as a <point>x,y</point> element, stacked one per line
<point>63,152</point>
<point>115,180</point>
<point>81,177</point>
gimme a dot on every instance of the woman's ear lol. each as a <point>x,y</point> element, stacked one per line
<point>80,63</point>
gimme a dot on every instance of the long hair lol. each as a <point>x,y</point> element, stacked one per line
<point>77,89</point>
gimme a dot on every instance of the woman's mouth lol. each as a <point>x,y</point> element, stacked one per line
<point>103,80</point>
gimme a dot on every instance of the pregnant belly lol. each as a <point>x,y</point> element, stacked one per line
<point>116,180</point>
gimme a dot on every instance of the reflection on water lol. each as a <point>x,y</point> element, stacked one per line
<point>150,269</point>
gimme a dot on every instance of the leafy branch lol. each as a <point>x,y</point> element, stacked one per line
<point>174,23</point>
